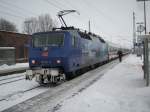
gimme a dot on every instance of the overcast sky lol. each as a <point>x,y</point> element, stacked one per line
<point>111,19</point>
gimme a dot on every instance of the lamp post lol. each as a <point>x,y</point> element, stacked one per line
<point>144,13</point>
<point>145,48</point>
<point>134,32</point>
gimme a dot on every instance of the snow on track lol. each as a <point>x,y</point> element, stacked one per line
<point>17,91</point>
<point>11,80</point>
<point>12,77</point>
<point>50,100</point>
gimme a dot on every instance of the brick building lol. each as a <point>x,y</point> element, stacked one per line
<point>18,41</point>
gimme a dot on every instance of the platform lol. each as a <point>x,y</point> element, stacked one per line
<point>121,89</point>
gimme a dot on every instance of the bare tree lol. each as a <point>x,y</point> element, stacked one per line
<point>46,23</point>
<point>30,25</point>
<point>41,24</point>
<point>7,25</point>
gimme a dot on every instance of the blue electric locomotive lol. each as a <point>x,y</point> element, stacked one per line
<point>56,55</point>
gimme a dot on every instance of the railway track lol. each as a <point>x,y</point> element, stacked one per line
<point>15,89</point>
<point>10,79</point>
<point>52,94</point>
<point>56,95</point>
<point>19,92</point>
<point>15,78</point>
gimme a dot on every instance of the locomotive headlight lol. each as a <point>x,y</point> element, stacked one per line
<point>33,61</point>
<point>58,61</point>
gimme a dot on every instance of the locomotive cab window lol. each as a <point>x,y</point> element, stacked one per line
<point>53,39</point>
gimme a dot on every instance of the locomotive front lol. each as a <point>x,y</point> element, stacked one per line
<point>47,56</point>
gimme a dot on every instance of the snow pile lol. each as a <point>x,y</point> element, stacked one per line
<point>3,66</point>
<point>121,89</point>
<point>19,66</point>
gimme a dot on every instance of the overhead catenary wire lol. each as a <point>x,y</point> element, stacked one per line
<point>62,4</point>
<point>9,14</point>
<point>53,4</point>
<point>71,5</point>
<point>12,11</point>
<point>100,13</point>
<point>86,18</point>
<point>18,7</point>
<point>58,7</point>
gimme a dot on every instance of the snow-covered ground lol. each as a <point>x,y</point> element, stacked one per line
<point>10,68</point>
<point>105,89</point>
<point>18,91</point>
<point>121,89</point>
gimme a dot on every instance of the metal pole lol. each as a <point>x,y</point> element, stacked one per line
<point>144,58</point>
<point>89,26</point>
<point>145,17</point>
<point>134,32</point>
<point>147,62</point>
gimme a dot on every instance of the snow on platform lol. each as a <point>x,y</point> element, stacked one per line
<point>17,67</point>
<point>121,89</point>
